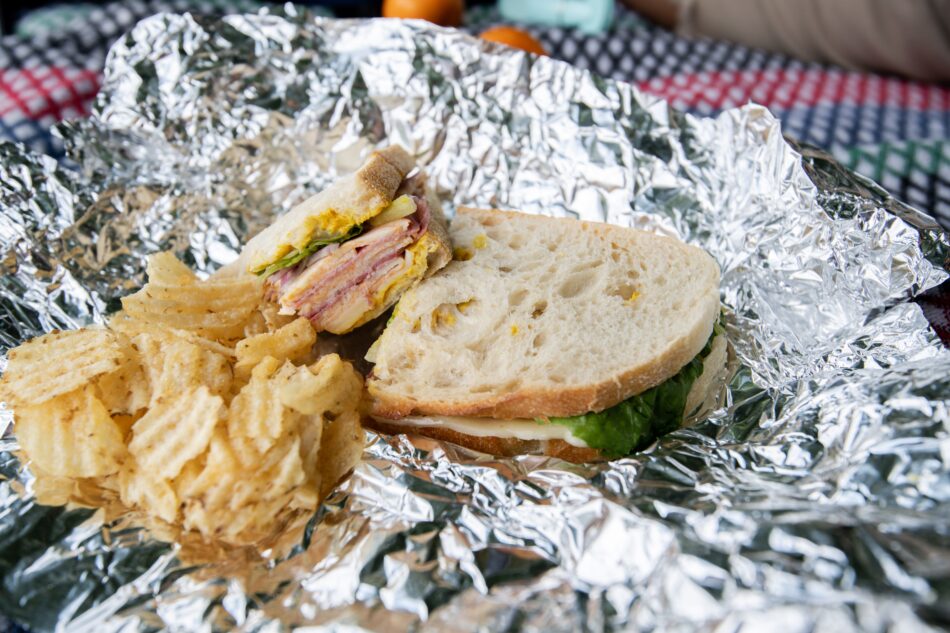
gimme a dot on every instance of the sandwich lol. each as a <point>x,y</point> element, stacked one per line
<point>344,256</point>
<point>547,335</point>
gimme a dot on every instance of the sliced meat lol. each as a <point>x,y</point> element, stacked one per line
<point>343,273</point>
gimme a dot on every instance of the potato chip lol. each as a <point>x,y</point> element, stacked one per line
<point>255,325</point>
<point>58,363</point>
<point>210,483</point>
<point>292,342</point>
<point>172,366</point>
<point>273,316</point>
<point>71,435</point>
<point>279,472</point>
<point>164,268</point>
<point>340,449</point>
<point>330,385</point>
<point>175,430</point>
<point>125,390</point>
<point>143,489</point>
<point>218,309</point>
<point>257,416</point>
<point>51,490</point>
<point>125,421</point>
<point>131,327</point>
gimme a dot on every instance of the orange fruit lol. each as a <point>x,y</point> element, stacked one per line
<point>516,38</point>
<point>442,12</point>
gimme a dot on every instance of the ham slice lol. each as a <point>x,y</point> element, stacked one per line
<point>323,286</point>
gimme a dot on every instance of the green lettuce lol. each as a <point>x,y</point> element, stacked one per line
<point>299,254</point>
<point>637,421</point>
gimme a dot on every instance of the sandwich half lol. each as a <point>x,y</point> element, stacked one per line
<point>345,255</point>
<point>548,335</point>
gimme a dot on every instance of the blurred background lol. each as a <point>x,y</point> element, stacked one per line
<point>866,80</point>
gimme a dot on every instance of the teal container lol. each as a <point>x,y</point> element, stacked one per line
<point>590,16</point>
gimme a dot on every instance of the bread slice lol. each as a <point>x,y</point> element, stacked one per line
<point>349,201</point>
<point>703,397</point>
<point>544,316</point>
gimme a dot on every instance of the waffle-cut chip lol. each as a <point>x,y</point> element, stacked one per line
<point>292,342</point>
<point>125,390</point>
<point>174,431</point>
<point>340,449</point>
<point>255,502</point>
<point>218,309</point>
<point>173,366</point>
<point>131,327</point>
<point>273,316</point>
<point>328,386</point>
<point>71,435</point>
<point>257,417</point>
<point>79,356</point>
<point>166,269</point>
<point>208,481</point>
<point>140,488</point>
<point>51,490</point>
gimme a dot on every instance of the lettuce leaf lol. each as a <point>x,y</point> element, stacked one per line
<point>637,421</point>
<point>297,255</point>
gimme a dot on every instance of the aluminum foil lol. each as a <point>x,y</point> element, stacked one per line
<point>815,499</point>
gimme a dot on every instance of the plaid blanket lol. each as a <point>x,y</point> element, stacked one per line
<point>895,131</point>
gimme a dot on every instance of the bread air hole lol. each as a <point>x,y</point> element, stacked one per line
<point>624,291</point>
<point>511,385</point>
<point>575,284</point>
<point>516,297</point>
<point>538,341</point>
<point>538,309</point>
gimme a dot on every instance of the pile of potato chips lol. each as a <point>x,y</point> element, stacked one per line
<point>196,404</point>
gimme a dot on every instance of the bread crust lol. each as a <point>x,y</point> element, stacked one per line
<point>716,364</point>
<point>563,401</point>
<point>384,171</point>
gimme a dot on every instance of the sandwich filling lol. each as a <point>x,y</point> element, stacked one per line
<point>630,425</point>
<point>342,281</point>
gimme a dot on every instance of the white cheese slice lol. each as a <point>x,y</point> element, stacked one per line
<point>490,427</point>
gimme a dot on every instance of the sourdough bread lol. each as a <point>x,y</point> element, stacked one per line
<point>544,316</point>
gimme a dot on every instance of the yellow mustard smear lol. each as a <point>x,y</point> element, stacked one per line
<point>633,297</point>
<point>419,253</point>
<point>480,241</point>
<point>514,330</point>
<point>330,223</point>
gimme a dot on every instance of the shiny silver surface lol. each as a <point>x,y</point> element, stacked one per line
<point>815,499</point>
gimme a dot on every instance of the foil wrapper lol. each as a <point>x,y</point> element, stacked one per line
<point>815,499</point>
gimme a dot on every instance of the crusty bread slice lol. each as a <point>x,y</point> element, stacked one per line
<point>544,316</point>
<point>348,201</point>
<point>704,396</point>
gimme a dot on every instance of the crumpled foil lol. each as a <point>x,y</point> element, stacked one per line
<point>815,499</point>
